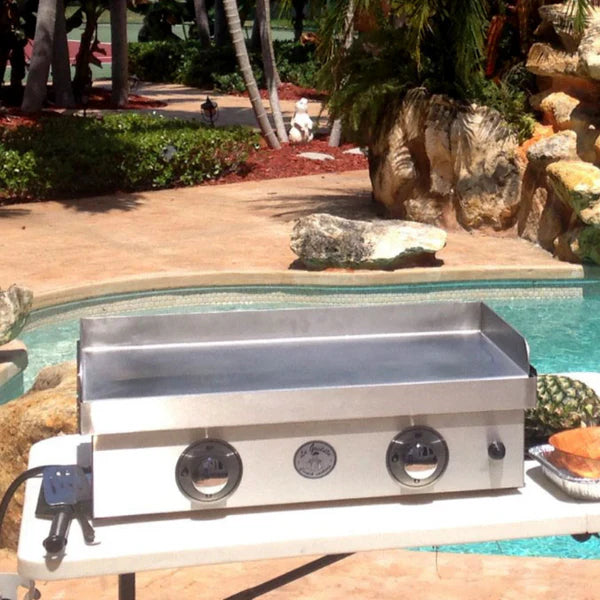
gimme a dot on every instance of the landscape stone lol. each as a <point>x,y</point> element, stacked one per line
<point>487,169</point>
<point>463,158</point>
<point>356,150</point>
<point>560,146</point>
<point>441,115</point>
<point>577,184</point>
<point>546,61</point>
<point>316,156</point>
<point>589,48</point>
<point>556,17</point>
<point>587,245</point>
<point>15,305</point>
<point>47,410</point>
<point>566,246</point>
<point>322,240</point>
<point>427,209</point>
<point>392,170</point>
<point>588,145</point>
<point>561,111</point>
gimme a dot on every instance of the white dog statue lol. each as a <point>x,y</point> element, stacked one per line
<point>301,124</point>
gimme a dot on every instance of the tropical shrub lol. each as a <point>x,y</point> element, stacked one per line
<point>189,63</point>
<point>155,61</point>
<point>74,156</point>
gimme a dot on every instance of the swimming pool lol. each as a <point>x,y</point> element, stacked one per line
<point>560,319</point>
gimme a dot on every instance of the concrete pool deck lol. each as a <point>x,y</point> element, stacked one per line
<point>220,234</point>
<point>239,234</point>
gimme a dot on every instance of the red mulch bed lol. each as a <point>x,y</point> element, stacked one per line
<point>289,91</point>
<point>275,164</point>
<point>99,98</point>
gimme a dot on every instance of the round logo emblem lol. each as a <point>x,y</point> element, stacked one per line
<point>315,459</point>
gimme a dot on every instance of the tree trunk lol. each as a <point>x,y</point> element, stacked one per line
<point>241,52</point>
<point>61,69</point>
<point>82,79</point>
<point>120,69</point>
<point>202,24</point>
<point>263,16</point>
<point>39,68</point>
<point>221,20</point>
<point>255,35</point>
<point>298,20</point>
<point>335,135</point>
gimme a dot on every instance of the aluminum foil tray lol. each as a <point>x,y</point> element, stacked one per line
<point>582,488</point>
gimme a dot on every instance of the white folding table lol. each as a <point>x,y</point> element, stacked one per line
<point>126,546</point>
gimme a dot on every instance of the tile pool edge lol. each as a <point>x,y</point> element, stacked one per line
<point>165,281</point>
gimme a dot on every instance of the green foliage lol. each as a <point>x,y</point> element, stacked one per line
<point>380,68</point>
<point>297,63</point>
<point>74,156</point>
<point>509,96</point>
<point>155,61</point>
<point>200,65</point>
<point>189,63</point>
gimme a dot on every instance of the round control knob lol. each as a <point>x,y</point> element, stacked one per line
<point>496,450</point>
<point>417,456</point>
<point>208,471</point>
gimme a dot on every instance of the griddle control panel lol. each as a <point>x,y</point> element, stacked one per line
<point>417,456</point>
<point>209,470</point>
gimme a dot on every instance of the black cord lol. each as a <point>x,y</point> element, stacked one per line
<point>12,488</point>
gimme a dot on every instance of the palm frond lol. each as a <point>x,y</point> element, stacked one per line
<point>578,12</point>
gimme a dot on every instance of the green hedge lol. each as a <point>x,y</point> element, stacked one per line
<point>74,156</point>
<point>188,63</point>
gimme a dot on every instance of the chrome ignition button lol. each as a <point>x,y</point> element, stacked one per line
<point>417,456</point>
<point>315,459</point>
<point>208,471</point>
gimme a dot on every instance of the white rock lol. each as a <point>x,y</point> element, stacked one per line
<point>316,156</point>
<point>15,304</point>
<point>322,240</point>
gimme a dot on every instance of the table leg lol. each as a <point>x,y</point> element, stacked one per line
<point>127,586</point>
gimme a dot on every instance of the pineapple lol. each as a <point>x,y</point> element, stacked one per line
<point>562,403</point>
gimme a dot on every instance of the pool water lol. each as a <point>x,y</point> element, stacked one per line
<point>559,319</point>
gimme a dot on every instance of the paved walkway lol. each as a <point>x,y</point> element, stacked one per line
<point>240,233</point>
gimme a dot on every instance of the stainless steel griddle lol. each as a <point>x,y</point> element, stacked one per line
<point>251,408</point>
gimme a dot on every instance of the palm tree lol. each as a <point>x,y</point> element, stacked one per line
<point>202,24</point>
<point>61,70</point>
<point>39,68</point>
<point>221,24</point>
<point>335,135</point>
<point>263,16</point>
<point>241,52</point>
<point>118,34</point>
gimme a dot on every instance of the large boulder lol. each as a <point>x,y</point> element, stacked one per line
<point>487,169</point>
<point>323,240</point>
<point>545,60</point>
<point>564,112</point>
<point>577,184</point>
<point>47,410</point>
<point>589,48</point>
<point>15,305</point>
<point>556,21</point>
<point>560,146</point>
<point>443,162</point>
